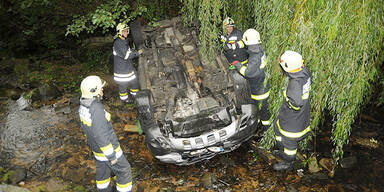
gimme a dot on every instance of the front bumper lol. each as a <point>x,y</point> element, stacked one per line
<point>185,151</point>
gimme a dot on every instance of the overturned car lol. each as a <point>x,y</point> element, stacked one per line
<point>189,109</point>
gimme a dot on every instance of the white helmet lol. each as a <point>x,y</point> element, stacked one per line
<point>120,27</point>
<point>228,22</point>
<point>91,86</point>
<point>291,60</point>
<point>251,37</point>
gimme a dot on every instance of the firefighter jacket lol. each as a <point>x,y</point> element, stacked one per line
<point>240,53</point>
<point>97,127</point>
<point>256,63</point>
<point>294,116</point>
<point>123,55</point>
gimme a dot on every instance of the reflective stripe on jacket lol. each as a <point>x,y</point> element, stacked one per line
<point>294,115</point>
<point>96,125</point>
<point>122,59</point>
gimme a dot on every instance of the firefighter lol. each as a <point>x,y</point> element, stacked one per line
<point>254,71</point>
<point>234,48</point>
<point>292,123</point>
<point>125,74</point>
<point>97,127</point>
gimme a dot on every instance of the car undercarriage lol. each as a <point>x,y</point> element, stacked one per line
<point>190,109</point>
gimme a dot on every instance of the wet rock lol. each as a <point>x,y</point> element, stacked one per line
<point>165,23</point>
<point>54,185</point>
<point>188,48</point>
<point>62,106</point>
<point>291,188</point>
<point>66,110</point>
<point>23,103</point>
<point>168,35</point>
<point>17,174</point>
<point>76,175</point>
<point>208,180</point>
<point>11,188</point>
<point>348,162</point>
<point>180,37</point>
<point>28,135</point>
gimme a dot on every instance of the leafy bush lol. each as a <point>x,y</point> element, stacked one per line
<point>97,60</point>
<point>105,17</point>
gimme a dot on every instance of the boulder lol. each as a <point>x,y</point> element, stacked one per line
<point>23,103</point>
<point>11,188</point>
<point>18,174</point>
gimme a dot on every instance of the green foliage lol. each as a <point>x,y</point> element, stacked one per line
<point>97,60</point>
<point>66,78</point>
<point>209,16</point>
<point>79,188</point>
<point>151,13</point>
<point>4,175</point>
<point>254,155</point>
<point>105,17</point>
<point>31,23</point>
<point>341,43</point>
<point>158,9</point>
<point>189,11</point>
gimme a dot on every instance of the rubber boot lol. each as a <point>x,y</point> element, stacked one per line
<point>282,166</point>
<point>277,154</point>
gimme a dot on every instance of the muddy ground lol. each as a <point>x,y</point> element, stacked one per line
<point>241,170</point>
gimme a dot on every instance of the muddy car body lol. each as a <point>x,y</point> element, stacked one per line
<point>189,109</point>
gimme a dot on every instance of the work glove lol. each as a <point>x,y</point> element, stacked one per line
<point>233,46</point>
<point>234,63</point>
<point>113,162</point>
<point>232,66</point>
<point>128,53</point>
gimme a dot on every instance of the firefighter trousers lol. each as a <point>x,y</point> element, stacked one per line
<point>288,145</point>
<point>125,83</point>
<point>259,95</point>
<point>122,171</point>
